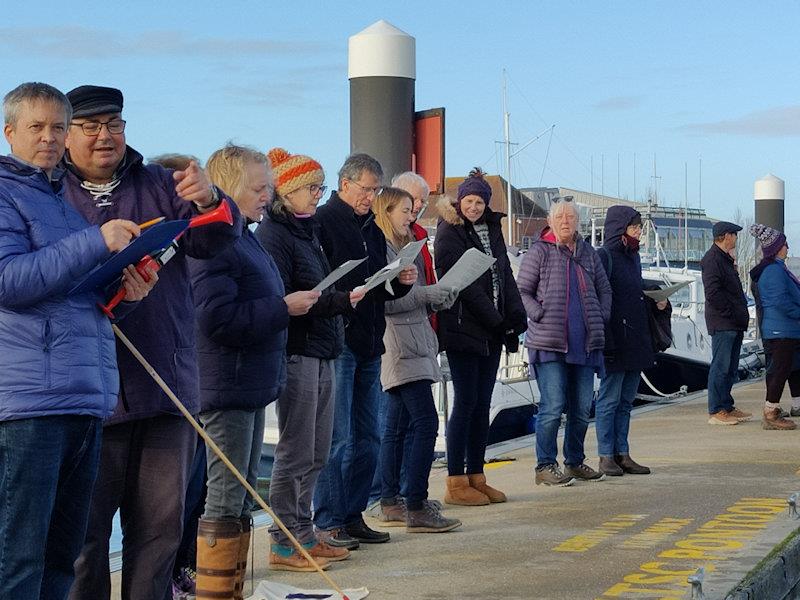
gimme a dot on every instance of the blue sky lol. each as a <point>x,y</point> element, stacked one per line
<point>684,81</point>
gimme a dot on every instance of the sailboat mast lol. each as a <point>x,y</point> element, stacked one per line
<point>507,139</point>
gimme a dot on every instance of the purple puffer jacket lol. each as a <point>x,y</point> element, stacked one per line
<point>543,283</point>
<point>162,327</point>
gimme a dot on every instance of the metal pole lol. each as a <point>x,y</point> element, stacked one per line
<point>507,136</point>
<point>686,217</point>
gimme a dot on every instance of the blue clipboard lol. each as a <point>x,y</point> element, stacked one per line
<point>153,239</point>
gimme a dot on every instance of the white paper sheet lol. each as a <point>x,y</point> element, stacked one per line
<point>664,293</point>
<point>337,274</point>
<point>472,264</point>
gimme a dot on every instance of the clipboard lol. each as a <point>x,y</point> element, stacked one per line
<point>152,240</point>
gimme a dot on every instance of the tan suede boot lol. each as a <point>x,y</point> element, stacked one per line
<point>241,565</point>
<point>217,557</point>
<point>459,492</point>
<point>478,482</point>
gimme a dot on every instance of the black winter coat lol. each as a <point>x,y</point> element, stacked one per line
<point>726,304</point>
<point>241,327</point>
<point>294,245</point>
<point>629,346</point>
<point>347,236</point>
<point>473,323</point>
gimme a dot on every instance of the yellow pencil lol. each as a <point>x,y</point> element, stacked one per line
<point>147,224</point>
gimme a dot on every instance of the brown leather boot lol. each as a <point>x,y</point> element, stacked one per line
<point>610,467</point>
<point>217,556</point>
<point>774,420</point>
<point>241,565</point>
<point>630,466</point>
<point>461,493</point>
<point>478,481</point>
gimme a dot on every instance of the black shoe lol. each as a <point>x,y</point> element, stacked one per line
<point>365,535</point>
<point>610,467</point>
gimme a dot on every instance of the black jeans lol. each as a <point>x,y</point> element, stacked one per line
<point>468,428</point>
<point>410,414</point>
<point>781,355</point>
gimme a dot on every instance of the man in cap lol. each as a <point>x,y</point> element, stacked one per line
<point>58,377</point>
<point>147,446</point>
<point>726,320</point>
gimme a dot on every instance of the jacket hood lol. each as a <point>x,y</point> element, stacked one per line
<point>447,212</point>
<point>617,219</point>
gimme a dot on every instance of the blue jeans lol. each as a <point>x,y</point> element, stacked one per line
<point>613,411</point>
<point>47,470</point>
<point>411,423</point>
<point>563,387</point>
<point>468,427</point>
<point>343,486</point>
<point>377,481</point>
<point>725,349</point>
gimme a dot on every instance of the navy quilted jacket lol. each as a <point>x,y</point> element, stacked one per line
<point>241,327</point>
<point>59,356</point>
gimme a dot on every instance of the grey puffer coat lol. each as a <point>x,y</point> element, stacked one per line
<point>411,344</point>
<point>543,283</point>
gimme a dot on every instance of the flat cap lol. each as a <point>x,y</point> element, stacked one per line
<point>723,227</point>
<point>90,100</point>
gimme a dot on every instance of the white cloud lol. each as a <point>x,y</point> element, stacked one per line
<point>783,121</point>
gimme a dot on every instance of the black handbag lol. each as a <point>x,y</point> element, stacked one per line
<point>660,325</point>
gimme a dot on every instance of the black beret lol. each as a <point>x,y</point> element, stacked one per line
<point>723,227</point>
<point>90,100</point>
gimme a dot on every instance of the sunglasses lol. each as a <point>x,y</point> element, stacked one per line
<point>558,199</point>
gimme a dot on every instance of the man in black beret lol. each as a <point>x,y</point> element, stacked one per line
<point>148,446</point>
<point>726,319</point>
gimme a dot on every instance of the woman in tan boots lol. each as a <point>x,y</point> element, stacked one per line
<point>487,315</point>
<point>242,314</point>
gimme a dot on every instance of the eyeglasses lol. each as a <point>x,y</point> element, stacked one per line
<point>558,199</point>
<point>317,189</point>
<point>93,128</point>
<point>368,190</point>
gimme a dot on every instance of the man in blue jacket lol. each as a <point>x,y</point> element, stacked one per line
<point>348,231</point>
<point>726,319</point>
<point>58,374</point>
<point>148,446</point>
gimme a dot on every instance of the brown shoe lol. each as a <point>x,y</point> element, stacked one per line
<point>630,466</point>
<point>610,467</point>
<point>722,417</point>
<point>286,558</point>
<point>459,492</point>
<point>392,515</point>
<point>741,415</point>
<point>328,552</point>
<point>774,420</point>
<point>478,482</point>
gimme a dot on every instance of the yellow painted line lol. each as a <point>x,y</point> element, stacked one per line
<point>498,464</point>
<point>715,540</point>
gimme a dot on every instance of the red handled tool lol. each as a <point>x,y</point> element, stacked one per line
<point>156,260</point>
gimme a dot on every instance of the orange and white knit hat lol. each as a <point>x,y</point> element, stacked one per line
<point>293,171</point>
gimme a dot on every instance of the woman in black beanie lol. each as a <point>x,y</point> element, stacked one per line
<point>487,314</point>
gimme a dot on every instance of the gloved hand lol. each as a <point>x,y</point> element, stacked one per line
<point>436,293</point>
<point>452,296</point>
<point>511,342</point>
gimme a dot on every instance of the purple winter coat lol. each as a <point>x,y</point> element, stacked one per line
<point>162,327</point>
<point>543,283</point>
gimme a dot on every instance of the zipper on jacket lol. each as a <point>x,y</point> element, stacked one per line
<point>47,357</point>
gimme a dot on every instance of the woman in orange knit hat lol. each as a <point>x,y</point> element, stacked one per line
<point>305,408</point>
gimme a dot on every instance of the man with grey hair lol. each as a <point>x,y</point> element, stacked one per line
<point>58,377</point>
<point>348,231</point>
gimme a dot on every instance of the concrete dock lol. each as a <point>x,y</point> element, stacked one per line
<point>716,499</point>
